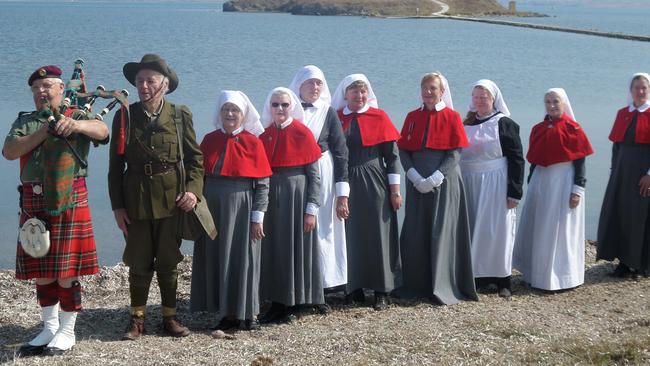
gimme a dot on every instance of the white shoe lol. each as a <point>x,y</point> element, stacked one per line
<point>64,338</point>
<point>50,317</point>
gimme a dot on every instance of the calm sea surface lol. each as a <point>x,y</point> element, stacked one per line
<point>212,50</point>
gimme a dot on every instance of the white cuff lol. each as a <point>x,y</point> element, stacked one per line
<point>648,173</point>
<point>311,209</point>
<point>513,200</point>
<point>394,179</point>
<point>342,189</point>
<point>437,177</point>
<point>257,217</point>
<point>580,191</point>
<point>413,176</point>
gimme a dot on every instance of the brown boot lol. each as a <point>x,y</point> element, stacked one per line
<point>134,330</point>
<point>172,327</point>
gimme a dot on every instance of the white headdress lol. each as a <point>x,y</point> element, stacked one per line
<point>311,72</point>
<point>565,99</point>
<point>338,100</point>
<point>629,85</point>
<point>251,122</point>
<point>314,117</point>
<point>493,89</point>
<point>295,109</point>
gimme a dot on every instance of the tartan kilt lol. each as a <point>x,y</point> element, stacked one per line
<point>72,243</point>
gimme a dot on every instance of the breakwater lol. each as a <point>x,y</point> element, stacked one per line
<point>630,37</point>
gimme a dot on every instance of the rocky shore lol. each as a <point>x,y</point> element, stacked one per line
<point>606,321</point>
<point>377,8</point>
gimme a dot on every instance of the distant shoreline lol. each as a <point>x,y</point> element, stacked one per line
<point>375,8</point>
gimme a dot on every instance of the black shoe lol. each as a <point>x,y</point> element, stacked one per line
<point>505,293</point>
<point>250,324</point>
<point>323,309</point>
<point>622,271</point>
<point>290,315</point>
<point>356,297</point>
<point>274,314</point>
<point>381,301</point>
<point>645,273</point>
<point>333,290</point>
<point>27,350</point>
<point>227,324</point>
<point>52,351</point>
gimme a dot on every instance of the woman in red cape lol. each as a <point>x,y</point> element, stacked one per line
<point>291,271</point>
<point>624,227</point>
<point>226,271</point>
<point>550,242</point>
<point>435,241</point>
<point>373,165</point>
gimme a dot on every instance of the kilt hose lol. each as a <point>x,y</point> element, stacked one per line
<point>72,243</point>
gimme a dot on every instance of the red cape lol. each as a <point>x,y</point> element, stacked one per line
<point>446,130</point>
<point>374,125</point>
<point>293,145</point>
<point>244,155</point>
<point>624,118</point>
<point>564,141</point>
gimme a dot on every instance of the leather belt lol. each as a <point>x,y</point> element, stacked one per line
<point>152,168</point>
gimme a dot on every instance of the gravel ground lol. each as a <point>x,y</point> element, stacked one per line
<point>605,321</point>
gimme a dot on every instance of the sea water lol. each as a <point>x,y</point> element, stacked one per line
<point>212,50</point>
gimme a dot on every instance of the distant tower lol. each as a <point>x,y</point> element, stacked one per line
<point>512,7</point>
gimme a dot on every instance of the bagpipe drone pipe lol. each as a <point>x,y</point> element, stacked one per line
<point>76,98</point>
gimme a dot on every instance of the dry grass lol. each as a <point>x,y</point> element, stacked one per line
<point>604,322</point>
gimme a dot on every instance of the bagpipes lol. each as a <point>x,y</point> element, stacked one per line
<point>76,97</point>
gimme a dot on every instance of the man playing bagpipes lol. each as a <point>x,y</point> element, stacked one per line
<point>53,151</point>
<point>143,183</point>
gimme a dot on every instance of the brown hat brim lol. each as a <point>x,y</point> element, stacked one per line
<point>131,69</point>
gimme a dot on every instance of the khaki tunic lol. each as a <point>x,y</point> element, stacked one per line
<point>28,123</point>
<point>148,198</point>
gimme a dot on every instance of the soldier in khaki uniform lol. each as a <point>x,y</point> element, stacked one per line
<point>144,187</point>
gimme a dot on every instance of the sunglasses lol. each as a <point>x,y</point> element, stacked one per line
<point>283,105</point>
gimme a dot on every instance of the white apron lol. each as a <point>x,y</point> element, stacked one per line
<point>550,244</point>
<point>331,229</point>
<point>492,224</point>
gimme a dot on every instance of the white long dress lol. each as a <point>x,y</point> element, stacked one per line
<point>550,244</point>
<point>493,225</point>
<point>331,230</point>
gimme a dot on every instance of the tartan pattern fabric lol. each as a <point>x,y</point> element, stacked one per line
<point>59,167</point>
<point>58,171</point>
<point>70,298</point>
<point>47,295</point>
<point>72,251</point>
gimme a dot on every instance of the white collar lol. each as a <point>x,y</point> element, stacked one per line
<point>235,132</point>
<point>155,114</point>
<point>286,123</point>
<point>439,106</point>
<point>347,110</point>
<point>644,107</point>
